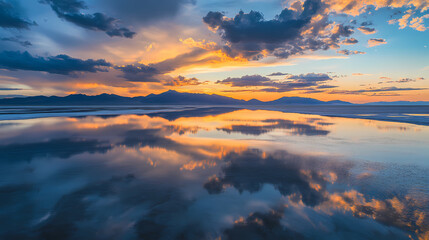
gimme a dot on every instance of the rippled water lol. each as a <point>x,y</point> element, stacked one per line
<point>213,173</point>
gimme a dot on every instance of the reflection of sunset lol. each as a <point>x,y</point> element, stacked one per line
<point>257,162</point>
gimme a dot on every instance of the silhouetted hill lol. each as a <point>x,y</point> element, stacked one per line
<point>167,98</point>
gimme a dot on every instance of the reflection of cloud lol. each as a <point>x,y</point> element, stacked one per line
<point>290,174</point>
<point>157,138</point>
<point>198,112</point>
<point>261,226</point>
<point>62,148</point>
<point>406,214</point>
<point>51,198</point>
<point>272,124</point>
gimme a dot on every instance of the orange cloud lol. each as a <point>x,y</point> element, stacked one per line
<point>376,41</point>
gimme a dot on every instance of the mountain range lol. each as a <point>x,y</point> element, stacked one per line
<point>170,97</point>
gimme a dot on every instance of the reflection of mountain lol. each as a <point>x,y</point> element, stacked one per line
<point>297,128</point>
<point>199,112</point>
<point>167,98</point>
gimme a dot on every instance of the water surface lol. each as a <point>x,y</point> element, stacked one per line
<point>212,173</point>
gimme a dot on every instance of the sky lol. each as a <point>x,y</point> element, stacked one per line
<point>357,51</point>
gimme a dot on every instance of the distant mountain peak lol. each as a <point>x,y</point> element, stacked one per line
<point>170,97</point>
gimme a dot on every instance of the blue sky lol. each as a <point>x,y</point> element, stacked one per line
<point>60,47</point>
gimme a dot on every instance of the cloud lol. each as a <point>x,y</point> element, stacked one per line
<point>156,72</point>
<point>247,81</point>
<point>293,31</point>
<point>366,24</point>
<point>409,19</point>
<point>9,89</point>
<point>376,41</point>
<point>183,81</point>
<point>60,64</point>
<point>143,12</point>
<point>354,8</point>
<point>277,74</point>
<point>349,52</point>
<point>326,86</point>
<point>16,40</point>
<point>367,30</point>
<point>9,17</point>
<point>139,73</point>
<point>291,83</point>
<point>349,41</point>
<point>374,90</point>
<point>403,80</point>
<point>70,11</point>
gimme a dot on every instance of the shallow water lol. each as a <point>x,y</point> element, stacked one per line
<point>213,173</point>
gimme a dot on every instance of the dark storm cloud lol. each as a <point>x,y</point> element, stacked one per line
<point>273,124</point>
<point>17,40</point>
<point>10,17</point>
<point>290,174</point>
<point>291,32</point>
<point>60,64</point>
<point>291,83</point>
<point>70,11</point>
<point>349,52</point>
<point>350,41</point>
